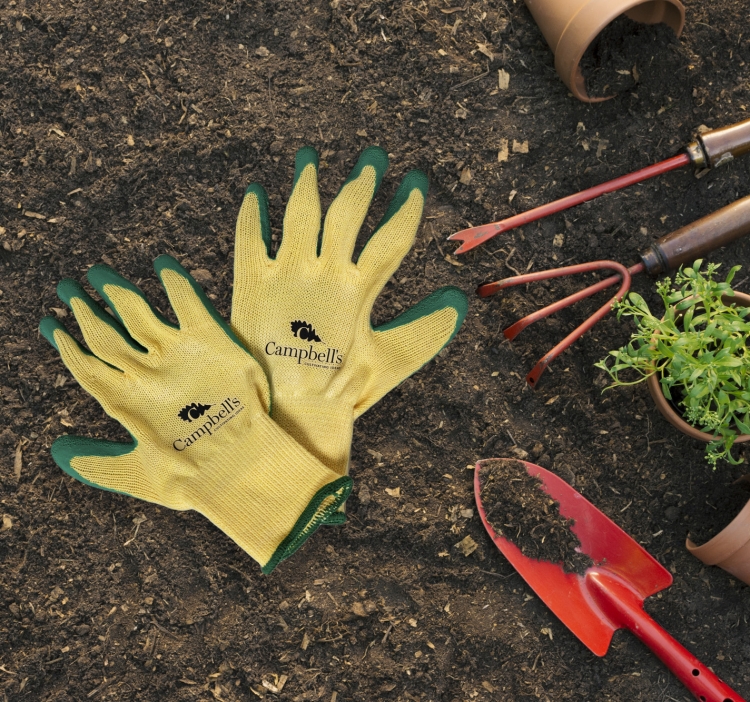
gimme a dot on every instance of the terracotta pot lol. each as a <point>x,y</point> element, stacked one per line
<point>666,408</point>
<point>569,26</point>
<point>730,548</point>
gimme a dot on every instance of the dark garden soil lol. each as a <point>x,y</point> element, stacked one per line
<point>615,59</point>
<point>725,502</point>
<point>519,510</point>
<point>128,130</point>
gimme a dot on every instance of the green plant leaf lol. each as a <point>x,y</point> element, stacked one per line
<point>700,347</point>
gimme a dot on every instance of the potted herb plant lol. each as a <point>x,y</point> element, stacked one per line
<point>695,358</point>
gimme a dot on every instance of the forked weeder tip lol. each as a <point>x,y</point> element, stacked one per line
<point>487,289</point>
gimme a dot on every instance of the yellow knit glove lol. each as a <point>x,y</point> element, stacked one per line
<point>196,404</point>
<point>305,314</point>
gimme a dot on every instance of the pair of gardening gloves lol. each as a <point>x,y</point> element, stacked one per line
<point>251,424</point>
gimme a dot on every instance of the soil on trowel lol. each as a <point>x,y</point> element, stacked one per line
<point>519,509</point>
<point>721,505</point>
<point>624,50</point>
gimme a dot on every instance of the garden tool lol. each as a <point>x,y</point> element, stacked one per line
<point>666,254</point>
<point>609,595</point>
<point>196,404</point>
<point>304,312</point>
<point>713,148</point>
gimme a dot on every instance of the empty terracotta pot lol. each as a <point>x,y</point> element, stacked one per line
<point>569,26</point>
<point>666,408</point>
<point>730,548</point>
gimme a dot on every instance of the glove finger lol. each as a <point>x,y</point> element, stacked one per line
<point>104,335</point>
<point>107,465</point>
<point>348,211</point>
<point>252,245</point>
<point>188,300</point>
<point>132,309</point>
<point>94,375</point>
<point>405,344</point>
<point>194,310</point>
<point>395,234</point>
<point>302,217</point>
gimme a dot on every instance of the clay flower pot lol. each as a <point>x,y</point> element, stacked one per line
<point>730,548</point>
<point>569,26</point>
<point>667,409</point>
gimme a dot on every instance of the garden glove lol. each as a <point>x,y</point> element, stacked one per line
<point>196,404</point>
<point>305,313</point>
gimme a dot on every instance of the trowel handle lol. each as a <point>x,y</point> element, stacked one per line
<point>719,146</point>
<point>624,609</point>
<point>698,238</point>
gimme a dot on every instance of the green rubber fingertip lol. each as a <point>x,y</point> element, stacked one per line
<point>455,298</point>
<point>102,275</point>
<point>65,448</point>
<point>261,197</point>
<point>373,156</point>
<point>413,180</point>
<point>448,296</point>
<point>167,262</point>
<point>303,158</point>
<point>68,289</point>
<point>47,328</point>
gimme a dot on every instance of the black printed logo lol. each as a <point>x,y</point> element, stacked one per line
<point>193,411</point>
<point>208,424</point>
<point>303,330</point>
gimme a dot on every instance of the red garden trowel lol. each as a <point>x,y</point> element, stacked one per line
<point>610,594</point>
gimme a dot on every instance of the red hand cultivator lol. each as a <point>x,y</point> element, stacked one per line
<point>666,254</point>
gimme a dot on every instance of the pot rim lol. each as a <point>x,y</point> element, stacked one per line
<point>673,417</point>
<point>570,27</point>
<point>727,542</point>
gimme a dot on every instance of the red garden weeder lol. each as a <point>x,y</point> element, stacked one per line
<point>711,149</point>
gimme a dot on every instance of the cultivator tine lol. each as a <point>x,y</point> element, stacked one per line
<point>622,273</point>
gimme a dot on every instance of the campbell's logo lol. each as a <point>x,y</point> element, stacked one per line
<point>303,330</point>
<point>307,355</point>
<point>195,410</point>
<point>212,421</point>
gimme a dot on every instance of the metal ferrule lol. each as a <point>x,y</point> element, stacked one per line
<point>697,155</point>
<point>654,261</point>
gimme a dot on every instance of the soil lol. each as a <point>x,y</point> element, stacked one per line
<point>624,48</point>
<point>519,509</point>
<point>132,130</point>
<point>725,503</point>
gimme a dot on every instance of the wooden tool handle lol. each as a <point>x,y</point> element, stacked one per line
<point>624,608</point>
<point>726,143</point>
<point>698,238</point>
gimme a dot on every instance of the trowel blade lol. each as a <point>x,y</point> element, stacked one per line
<point>611,549</point>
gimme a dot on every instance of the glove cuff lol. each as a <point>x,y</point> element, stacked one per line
<point>322,509</point>
<point>269,495</point>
